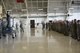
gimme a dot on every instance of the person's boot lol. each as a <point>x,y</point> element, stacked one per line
<point>4,35</point>
<point>0,36</point>
<point>78,39</point>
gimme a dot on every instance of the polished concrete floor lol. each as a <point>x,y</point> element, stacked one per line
<point>39,41</point>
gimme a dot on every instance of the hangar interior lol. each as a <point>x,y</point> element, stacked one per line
<point>39,26</point>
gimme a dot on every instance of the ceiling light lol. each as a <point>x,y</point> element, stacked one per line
<point>9,10</point>
<point>40,9</point>
<point>56,8</point>
<point>71,8</point>
<point>23,9</point>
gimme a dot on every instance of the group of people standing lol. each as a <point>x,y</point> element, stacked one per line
<point>4,29</point>
<point>68,28</point>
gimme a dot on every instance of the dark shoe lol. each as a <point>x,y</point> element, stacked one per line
<point>13,37</point>
<point>78,39</point>
<point>0,37</point>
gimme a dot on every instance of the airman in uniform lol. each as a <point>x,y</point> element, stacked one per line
<point>78,30</point>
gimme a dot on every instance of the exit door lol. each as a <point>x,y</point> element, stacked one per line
<point>32,23</point>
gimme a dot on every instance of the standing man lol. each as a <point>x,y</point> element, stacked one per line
<point>50,25</point>
<point>4,26</point>
<point>74,29</point>
<point>66,33</point>
<point>43,25</point>
<point>21,26</point>
<point>78,30</point>
<point>0,28</point>
<point>17,26</point>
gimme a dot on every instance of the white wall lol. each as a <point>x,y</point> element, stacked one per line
<point>55,18</point>
<point>37,20</point>
<point>74,16</point>
<point>55,8</point>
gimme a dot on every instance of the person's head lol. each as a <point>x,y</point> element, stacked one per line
<point>78,21</point>
<point>74,20</point>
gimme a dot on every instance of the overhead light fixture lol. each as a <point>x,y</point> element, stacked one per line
<point>56,8</point>
<point>23,9</point>
<point>71,8</point>
<point>9,10</point>
<point>40,9</point>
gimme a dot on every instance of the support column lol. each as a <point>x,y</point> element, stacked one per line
<point>47,9</point>
<point>67,6</point>
<point>4,7</point>
<point>26,8</point>
<point>0,11</point>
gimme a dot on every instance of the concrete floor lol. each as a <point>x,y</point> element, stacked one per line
<point>39,41</point>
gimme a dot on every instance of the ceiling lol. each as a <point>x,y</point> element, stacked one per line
<point>41,6</point>
<point>33,6</point>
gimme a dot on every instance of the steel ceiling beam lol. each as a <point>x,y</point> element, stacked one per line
<point>3,4</point>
